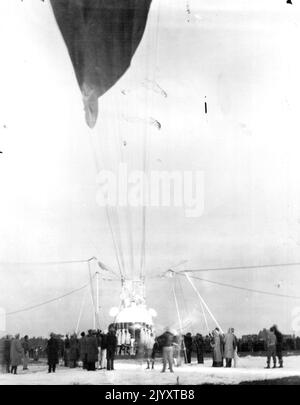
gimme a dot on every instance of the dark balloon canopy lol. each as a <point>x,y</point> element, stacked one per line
<point>102,37</point>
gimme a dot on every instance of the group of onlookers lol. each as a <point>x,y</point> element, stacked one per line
<point>274,343</point>
<point>97,349</point>
<point>91,350</point>
<point>224,347</point>
<point>174,347</point>
<point>15,353</point>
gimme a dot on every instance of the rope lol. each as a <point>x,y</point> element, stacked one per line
<point>204,316</point>
<point>81,310</point>
<point>116,130</point>
<point>246,289</point>
<point>202,308</point>
<point>262,266</point>
<point>203,302</point>
<point>92,292</point>
<point>145,155</point>
<point>127,210</point>
<point>179,320</point>
<point>47,263</point>
<point>183,297</point>
<point>143,244</point>
<point>45,302</point>
<point>116,248</point>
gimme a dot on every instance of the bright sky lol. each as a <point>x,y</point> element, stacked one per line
<point>243,57</point>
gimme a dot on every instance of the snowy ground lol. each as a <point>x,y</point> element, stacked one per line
<point>133,372</point>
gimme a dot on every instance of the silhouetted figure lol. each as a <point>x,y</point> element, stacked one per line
<point>199,345</point>
<point>25,345</point>
<point>67,351</point>
<point>7,344</point>
<point>92,350</point>
<point>52,353</point>
<point>279,344</point>
<point>83,350</point>
<point>111,348</point>
<point>188,342</point>
<point>271,348</point>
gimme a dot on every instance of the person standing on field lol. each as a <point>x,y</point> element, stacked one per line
<point>271,348</point>
<point>52,353</point>
<point>279,344</point>
<point>167,344</point>
<point>230,343</point>
<point>25,345</point>
<point>16,354</point>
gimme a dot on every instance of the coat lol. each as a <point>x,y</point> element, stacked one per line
<point>25,345</point>
<point>74,349</point>
<point>52,351</point>
<point>229,345</point>
<point>82,348</point>
<point>16,352</point>
<point>217,349</point>
<point>167,339</point>
<point>271,339</point>
<point>199,344</point>
<point>111,341</point>
<point>188,342</point>
<point>92,349</point>
<point>279,340</point>
<point>7,346</point>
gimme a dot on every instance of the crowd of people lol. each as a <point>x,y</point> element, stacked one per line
<point>91,348</point>
<point>224,346</point>
<point>97,349</point>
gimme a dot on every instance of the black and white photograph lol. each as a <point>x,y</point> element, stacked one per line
<point>149,194</point>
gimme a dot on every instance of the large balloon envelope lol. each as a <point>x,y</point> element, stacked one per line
<point>102,37</point>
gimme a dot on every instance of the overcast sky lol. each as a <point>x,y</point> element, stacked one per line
<point>242,58</point>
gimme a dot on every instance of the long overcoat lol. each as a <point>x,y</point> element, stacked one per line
<point>16,352</point>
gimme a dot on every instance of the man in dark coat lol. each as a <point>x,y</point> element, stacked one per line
<point>112,342</point>
<point>7,344</point>
<point>67,351</point>
<point>74,351</point>
<point>52,353</point>
<point>92,351</point>
<point>188,343</point>
<point>25,345</point>
<point>83,350</point>
<point>279,344</point>
<point>199,346</point>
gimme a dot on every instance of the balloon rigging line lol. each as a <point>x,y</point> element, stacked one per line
<point>245,288</point>
<point>262,266</point>
<point>203,302</point>
<point>46,302</point>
